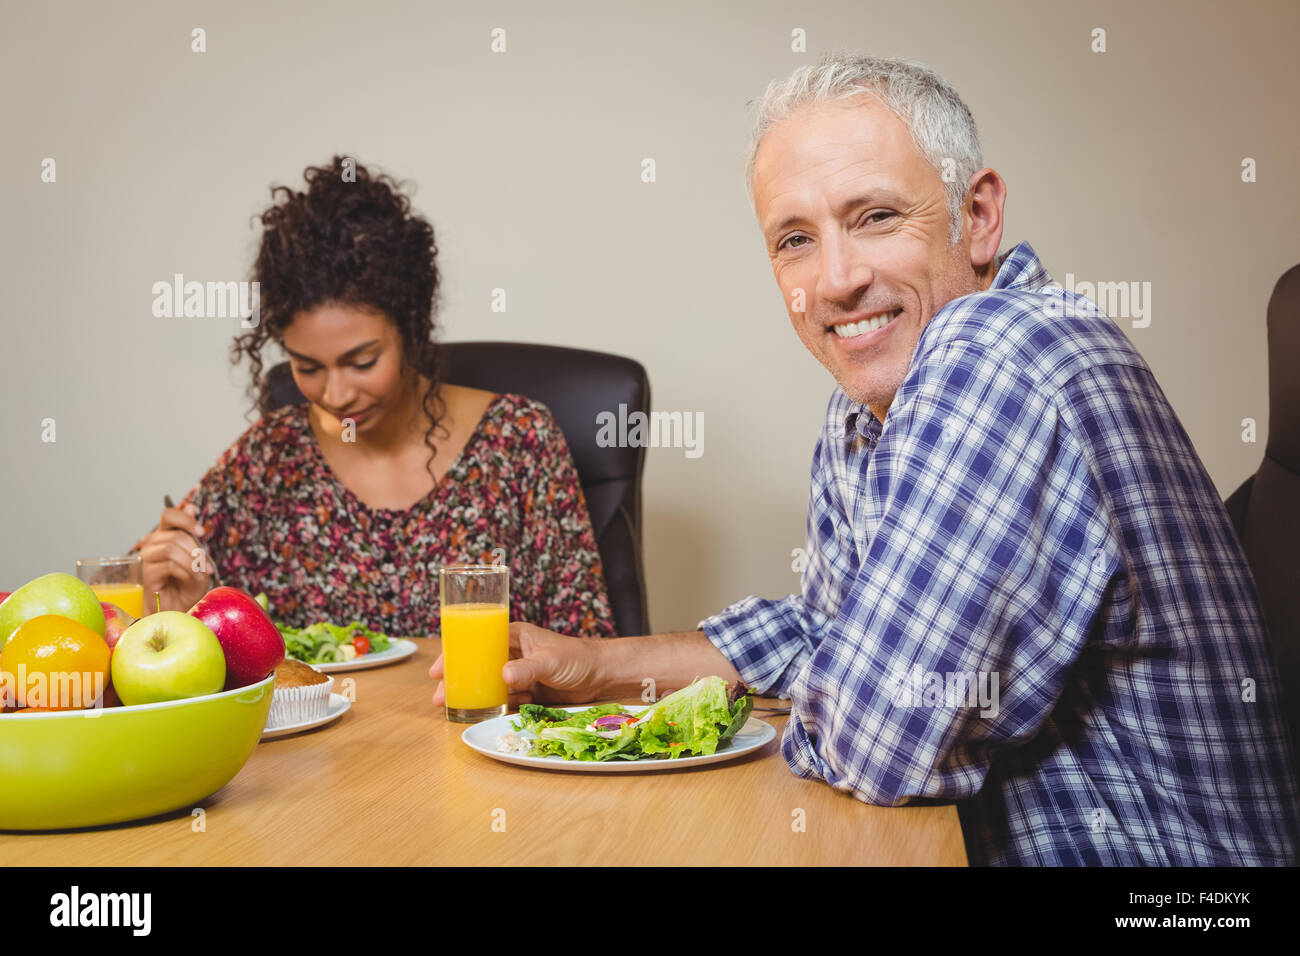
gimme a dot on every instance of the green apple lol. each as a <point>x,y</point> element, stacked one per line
<point>55,593</point>
<point>167,656</point>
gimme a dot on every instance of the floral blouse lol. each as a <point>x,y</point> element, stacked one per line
<point>278,520</point>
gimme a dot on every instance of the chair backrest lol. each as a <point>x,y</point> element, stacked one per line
<point>1265,510</point>
<point>576,385</point>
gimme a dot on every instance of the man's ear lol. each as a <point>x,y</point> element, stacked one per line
<point>985,200</point>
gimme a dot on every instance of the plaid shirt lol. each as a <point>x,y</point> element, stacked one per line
<point>1024,595</point>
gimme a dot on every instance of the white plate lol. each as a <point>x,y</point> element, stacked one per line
<point>483,738</point>
<point>400,650</point>
<point>336,708</point>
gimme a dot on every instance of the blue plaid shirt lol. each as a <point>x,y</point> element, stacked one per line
<point>1024,595</point>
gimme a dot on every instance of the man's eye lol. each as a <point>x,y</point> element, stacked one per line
<point>790,240</point>
<point>872,217</point>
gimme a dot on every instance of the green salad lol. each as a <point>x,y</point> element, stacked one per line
<point>326,643</point>
<point>695,720</point>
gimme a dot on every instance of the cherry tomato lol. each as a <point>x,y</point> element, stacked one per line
<point>361,644</point>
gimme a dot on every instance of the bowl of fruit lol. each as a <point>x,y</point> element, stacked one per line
<point>107,719</point>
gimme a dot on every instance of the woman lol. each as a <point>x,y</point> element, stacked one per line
<point>346,507</point>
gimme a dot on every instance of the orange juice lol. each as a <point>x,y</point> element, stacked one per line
<point>129,597</point>
<point>475,646</point>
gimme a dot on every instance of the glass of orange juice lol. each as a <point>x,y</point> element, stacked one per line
<point>475,640</point>
<point>118,581</point>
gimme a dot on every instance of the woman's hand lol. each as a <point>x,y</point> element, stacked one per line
<point>544,667</point>
<point>167,559</point>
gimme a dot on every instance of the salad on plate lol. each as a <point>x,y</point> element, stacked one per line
<point>326,643</point>
<point>696,721</point>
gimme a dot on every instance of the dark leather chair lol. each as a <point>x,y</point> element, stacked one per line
<point>1265,510</point>
<point>575,384</point>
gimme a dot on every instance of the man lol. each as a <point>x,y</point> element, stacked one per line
<point>1002,501</point>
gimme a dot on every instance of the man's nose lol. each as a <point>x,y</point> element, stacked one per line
<point>845,273</point>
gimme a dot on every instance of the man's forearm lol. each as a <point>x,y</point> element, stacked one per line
<point>670,660</point>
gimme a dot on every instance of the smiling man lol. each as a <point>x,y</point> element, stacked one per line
<point>859,229</point>
<point>1023,593</point>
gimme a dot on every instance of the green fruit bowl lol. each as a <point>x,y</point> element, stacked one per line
<point>85,768</point>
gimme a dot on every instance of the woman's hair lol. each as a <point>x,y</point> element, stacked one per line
<point>940,123</point>
<point>350,239</point>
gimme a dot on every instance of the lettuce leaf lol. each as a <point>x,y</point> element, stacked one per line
<point>573,742</point>
<point>695,720</point>
<point>320,643</point>
<point>535,717</point>
<point>740,712</point>
<point>690,720</point>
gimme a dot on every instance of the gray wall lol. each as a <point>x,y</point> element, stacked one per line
<point>1121,166</point>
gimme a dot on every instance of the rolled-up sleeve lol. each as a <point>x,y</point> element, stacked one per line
<point>767,641</point>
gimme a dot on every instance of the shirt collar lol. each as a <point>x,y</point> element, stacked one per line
<point>1018,268</point>
<point>861,420</point>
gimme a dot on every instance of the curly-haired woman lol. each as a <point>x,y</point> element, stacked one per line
<point>346,507</point>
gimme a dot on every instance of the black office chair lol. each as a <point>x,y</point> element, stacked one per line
<point>1265,510</point>
<point>575,384</point>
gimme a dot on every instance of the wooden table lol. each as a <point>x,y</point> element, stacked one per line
<point>391,783</point>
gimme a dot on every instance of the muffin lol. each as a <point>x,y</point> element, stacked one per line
<point>302,693</point>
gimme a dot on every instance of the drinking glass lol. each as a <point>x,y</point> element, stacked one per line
<point>117,580</point>
<point>475,640</point>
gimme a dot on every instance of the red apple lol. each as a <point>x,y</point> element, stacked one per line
<point>115,622</point>
<point>252,643</point>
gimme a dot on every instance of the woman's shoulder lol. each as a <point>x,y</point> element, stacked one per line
<point>518,419</point>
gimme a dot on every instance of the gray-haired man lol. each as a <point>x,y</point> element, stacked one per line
<point>1001,498</point>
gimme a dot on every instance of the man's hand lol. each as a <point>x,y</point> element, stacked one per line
<point>544,667</point>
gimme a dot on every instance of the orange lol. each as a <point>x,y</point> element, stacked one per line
<point>54,663</point>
